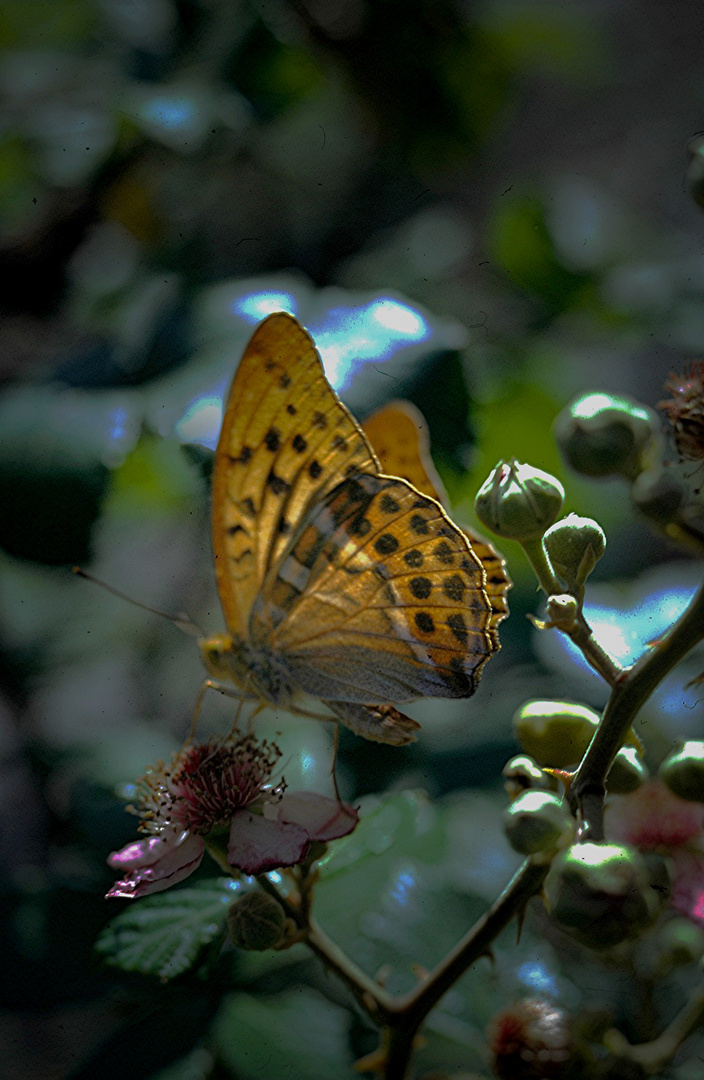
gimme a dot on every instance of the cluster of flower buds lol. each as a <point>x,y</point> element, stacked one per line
<point>601,435</point>
<point>522,503</point>
<point>683,771</point>
<point>602,894</point>
<point>556,735</point>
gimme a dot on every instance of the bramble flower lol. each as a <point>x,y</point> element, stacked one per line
<point>215,790</point>
<point>654,819</point>
<point>685,411</point>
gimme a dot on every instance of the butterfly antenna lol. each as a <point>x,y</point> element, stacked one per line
<point>183,621</point>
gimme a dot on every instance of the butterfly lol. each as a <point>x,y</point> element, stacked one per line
<point>336,580</point>
<point>399,434</point>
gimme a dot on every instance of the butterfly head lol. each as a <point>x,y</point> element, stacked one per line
<point>219,656</point>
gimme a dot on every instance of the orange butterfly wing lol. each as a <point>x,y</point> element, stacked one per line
<point>399,434</point>
<point>285,439</point>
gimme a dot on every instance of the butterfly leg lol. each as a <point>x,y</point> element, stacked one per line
<point>381,723</point>
<point>333,768</point>
<point>222,688</point>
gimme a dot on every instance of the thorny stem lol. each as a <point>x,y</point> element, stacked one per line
<point>632,690</point>
<point>653,1056</point>
<point>402,1016</point>
<point>410,1011</point>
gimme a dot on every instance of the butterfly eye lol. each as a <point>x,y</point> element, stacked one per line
<point>214,651</point>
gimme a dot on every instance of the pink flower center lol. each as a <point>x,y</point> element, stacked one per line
<point>205,784</point>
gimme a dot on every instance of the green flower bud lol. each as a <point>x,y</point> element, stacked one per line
<point>603,435</point>
<point>659,494</point>
<point>575,546</point>
<point>683,771</point>
<point>521,774</point>
<point>695,170</point>
<point>626,773</point>
<point>555,733</point>
<point>518,501</point>
<point>680,942</point>
<point>600,893</point>
<point>256,921</point>
<point>537,821</point>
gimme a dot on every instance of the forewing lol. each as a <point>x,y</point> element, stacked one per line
<point>286,440</point>
<point>378,598</point>
<point>399,436</point>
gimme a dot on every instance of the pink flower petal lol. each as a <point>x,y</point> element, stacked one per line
<point>257,844</point>
<point>145,852</point>
<point>321,817</point>
<point>177,859</point>
<point>688,888</point>
<point>652,818</point>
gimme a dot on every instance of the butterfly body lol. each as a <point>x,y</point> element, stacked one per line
<point>257,671</point>
<point>336,580</point>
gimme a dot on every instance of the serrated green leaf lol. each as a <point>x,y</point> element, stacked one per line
<point>163,935</point>
<point>295,1035</point>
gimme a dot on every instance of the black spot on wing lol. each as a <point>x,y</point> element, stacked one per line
<point>388,504</point>
<point>419,525</point>
<point>359,526</point>
<point>272,439</point>
<point>276,484</point>
<point>314,470</point>
<point>386,544</point>
<point>461,681</point>
<point>299,444</point>
<point>245,456</point>
<point>413,558</point>
<point>457,625</point>
<point>454,588</point>
<point>424,622</point>
<point>421,587</point>
<point>444,553</point>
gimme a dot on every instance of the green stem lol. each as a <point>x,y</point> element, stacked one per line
<point>631,691</point>
<point>581,633</point>
<point>593,653</point>
<point>373,998</point>
<point>539,560</point>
